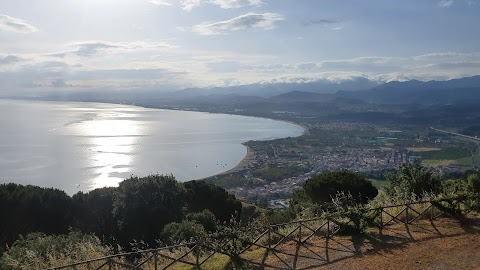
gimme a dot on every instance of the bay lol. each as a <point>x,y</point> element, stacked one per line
<point>82,146</point>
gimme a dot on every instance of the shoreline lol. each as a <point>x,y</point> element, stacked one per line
<point>249,157</point>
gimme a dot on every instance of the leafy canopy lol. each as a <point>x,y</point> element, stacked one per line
<point>322,187</point>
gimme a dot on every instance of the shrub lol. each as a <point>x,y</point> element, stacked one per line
<point>204,218</point>
<point>474,183</point>
<point>412,179</point>
<point>39,251</point>
<point>176,232</point>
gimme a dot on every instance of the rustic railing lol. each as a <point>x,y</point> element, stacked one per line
<point>313,240</point>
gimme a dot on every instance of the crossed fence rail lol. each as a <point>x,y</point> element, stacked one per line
<point>286,243</point>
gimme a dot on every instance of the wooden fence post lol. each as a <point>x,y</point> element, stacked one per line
<point>327,236</point>
<point>197,255</point>
<point>406,214</point>
<point>381,220</point>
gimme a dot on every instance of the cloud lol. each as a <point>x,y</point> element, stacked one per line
<point>161,2</point>
<point>236,3</point>
<point>10,59</point>
<point>189,5</point>
<point>89,49</point>
<point>96,47</point>
<point>8,23</point>
<point>320,22</point>
<point>446,3</point>
<point>60,83</point>
<point>224,66</point>
<point>251,20</point>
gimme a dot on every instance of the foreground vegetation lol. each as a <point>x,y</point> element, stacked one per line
<point>157,210</point>
<point>145,209</point>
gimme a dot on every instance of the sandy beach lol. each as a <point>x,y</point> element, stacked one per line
<point>249,157</point>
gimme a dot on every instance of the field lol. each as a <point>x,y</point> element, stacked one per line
<point>446,157</point>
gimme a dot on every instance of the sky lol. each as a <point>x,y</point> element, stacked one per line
<point>164,45</point>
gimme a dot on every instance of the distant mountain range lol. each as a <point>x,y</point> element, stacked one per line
<point>273,89</point>
<point>408,92</point>
<point>355,92</point>
<point>418,92</point>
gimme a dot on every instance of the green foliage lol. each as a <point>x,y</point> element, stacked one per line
<point>230,180</point>
<point>28,209</point>
<point>322,187</point>
<point>274,174</point>
<point>137,210</point>
<point>40,251</point>
<point>446,154</point>
<point>474,183</point>
<point>249,212</point>
<point>278,216</point>
<point>143,206</point>
<point>454,186</point>
<point>93,212</point>
<point>177,232</point>
<point>299,201</point>
<point>202,195</point>
<point>412,179</point>
<point>205,218</point>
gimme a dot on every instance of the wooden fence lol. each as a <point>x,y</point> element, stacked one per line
<point>288,244</point>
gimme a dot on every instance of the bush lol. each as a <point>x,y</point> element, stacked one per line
<point>204,218</point>
<point>412,179</point>
<point>176,232</point>
<point>474,183</point>
<point>39,251</point>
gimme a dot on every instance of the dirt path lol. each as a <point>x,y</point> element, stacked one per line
<point>455,252</point>
<point>443,244</point>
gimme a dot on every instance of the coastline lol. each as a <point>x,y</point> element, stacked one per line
<point>249,157</point>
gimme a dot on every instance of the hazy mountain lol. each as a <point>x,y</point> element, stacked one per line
<point>299,96</point>
<point>274,89</point>
<point>418,92</point>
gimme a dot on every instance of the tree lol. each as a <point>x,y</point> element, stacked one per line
<point>203,195</point>
<point>412,179</point>
<point>143,206</point>
<point>322,187</point>
<point>175,232</point>
<point>26,209</point>
<point>93,212</point>
<point>474,183</point>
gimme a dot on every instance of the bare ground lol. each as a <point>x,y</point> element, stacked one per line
<point>442,244</point>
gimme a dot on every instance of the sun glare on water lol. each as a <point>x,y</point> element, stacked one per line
<point>112,143</point>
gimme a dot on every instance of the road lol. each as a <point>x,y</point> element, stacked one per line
<point>457,134</point>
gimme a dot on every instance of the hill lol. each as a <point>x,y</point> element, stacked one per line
<point>418,92</point>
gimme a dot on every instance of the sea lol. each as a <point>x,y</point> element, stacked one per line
<point>77,146</point>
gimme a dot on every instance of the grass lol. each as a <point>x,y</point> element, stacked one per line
<point>449,156</point>
<point>446,154</point>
